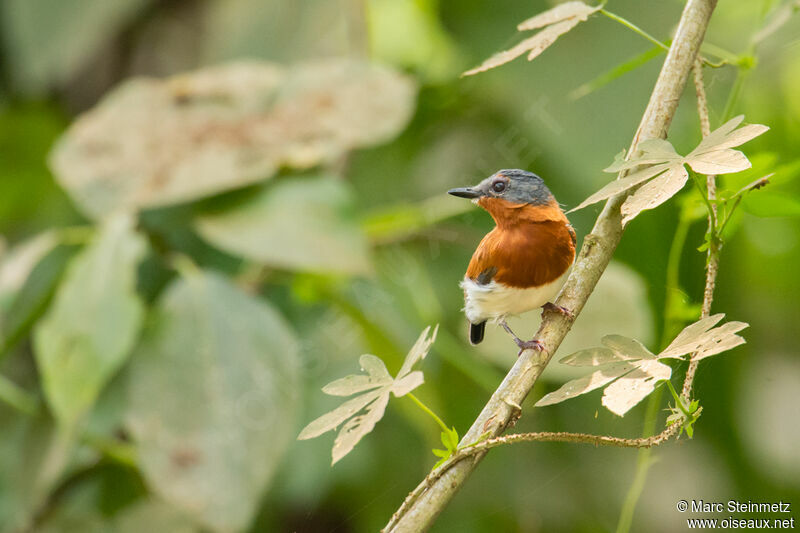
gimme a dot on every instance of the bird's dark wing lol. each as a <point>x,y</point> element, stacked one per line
<point>486,275</point>
<point>572,234</point>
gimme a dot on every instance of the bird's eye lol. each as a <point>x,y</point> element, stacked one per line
<point>499,186</point>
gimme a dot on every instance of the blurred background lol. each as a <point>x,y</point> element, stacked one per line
<point>287,213</point>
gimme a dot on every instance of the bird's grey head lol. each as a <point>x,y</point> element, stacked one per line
<point>515,185</point>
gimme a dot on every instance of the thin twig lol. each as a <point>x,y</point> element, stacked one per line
<point>543,436</point>
<point>712,260</point>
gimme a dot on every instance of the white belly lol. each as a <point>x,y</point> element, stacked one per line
<point>495,300</point>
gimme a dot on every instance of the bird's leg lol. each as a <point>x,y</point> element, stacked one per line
<point>532,344</point>
<point>553,308</point>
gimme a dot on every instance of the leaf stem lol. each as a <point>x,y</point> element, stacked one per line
<point>428,410</point>
<point>728,215</point>
<point>631,26</point>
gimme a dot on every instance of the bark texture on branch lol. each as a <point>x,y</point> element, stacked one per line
<point>421,508</point>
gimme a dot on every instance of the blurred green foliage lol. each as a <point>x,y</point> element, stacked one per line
<point>154,370</point>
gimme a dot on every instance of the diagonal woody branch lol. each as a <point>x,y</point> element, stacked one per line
<point>418,513</point>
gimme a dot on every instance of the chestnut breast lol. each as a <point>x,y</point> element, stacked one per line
<point>530,246</point>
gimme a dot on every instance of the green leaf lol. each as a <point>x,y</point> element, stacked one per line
<point>31,300</point>
<point>213,393</point>
<point>453,439</point>
<point>90,329</point>
<point>31,460</point>
<point>152,143</point>
<point>296,223</point>
<point>450,439</point>
<point>439,462</point>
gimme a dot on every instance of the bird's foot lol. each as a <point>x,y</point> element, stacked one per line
<point>532,344</point>
<point>553,308</point>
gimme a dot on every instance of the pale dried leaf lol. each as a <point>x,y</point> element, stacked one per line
<point>358,426</point>
<point>374,401</point>
<point>534,45</point>
<point>650,152</point>
<point>548,36</point>
<point>720,339</point>
<point>718,162</point>
<point>632,388</point>
<point>506,56</point>
<point>374,366</point>
<point>334,418</point>
<point>155,142</point>
<point>722,345</point>
<point>591,357</point>
<point>353,384</point>
<point>741,136</point>
<point>690,337</point>
<point>627,348</point>
<point>617,186</point>
<point>654,193</point>
<point>418,351</point>
<point>406,384</point>
<point>718,136</point>
<point>560,12</point>
<point>593,381</point>
<point>655,148</point>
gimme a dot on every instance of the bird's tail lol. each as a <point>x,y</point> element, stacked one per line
<point>476,332</point>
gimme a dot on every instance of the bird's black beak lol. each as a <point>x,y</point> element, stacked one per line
<point>465,192</point>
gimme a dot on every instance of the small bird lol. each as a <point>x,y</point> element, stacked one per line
<point>523,262</point>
